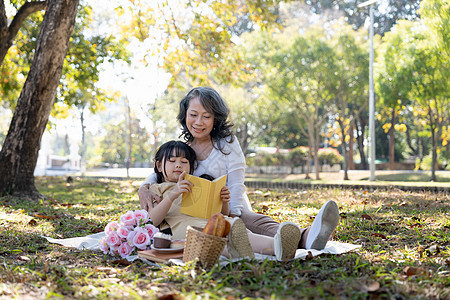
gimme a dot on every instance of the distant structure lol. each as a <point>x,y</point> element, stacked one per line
<point>49,164</point>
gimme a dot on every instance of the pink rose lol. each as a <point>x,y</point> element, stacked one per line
<point>111,226</point>
<point>151,230</point>
<point>131,236</point>
<point>129,218</point>
<point>123,231</point>
<point>141,216</point>
<point>141,239</point>
<point>113,239</point>
<point>103,245</point>
<point>113,250</point>
<point>125,249</point>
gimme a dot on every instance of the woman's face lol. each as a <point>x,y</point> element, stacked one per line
<point>199,122</point>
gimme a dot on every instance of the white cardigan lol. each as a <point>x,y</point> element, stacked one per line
<point>217,164</point>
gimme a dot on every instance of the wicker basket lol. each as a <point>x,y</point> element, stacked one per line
<point>206,247</point>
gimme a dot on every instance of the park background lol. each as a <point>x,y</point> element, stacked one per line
<point>296,77</point>
<point>297,81</point>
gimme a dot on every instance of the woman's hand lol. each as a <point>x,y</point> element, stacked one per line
<point>146,197</point>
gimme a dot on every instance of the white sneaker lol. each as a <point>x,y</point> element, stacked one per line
<point>323,226</point>
<point>238,245</point>
<point>286,241</point>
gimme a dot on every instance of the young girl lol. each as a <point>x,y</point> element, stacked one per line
<point>173,161</point>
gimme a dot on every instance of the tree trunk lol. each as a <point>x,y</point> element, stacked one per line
<point>20,150</point>
<point>344,148</point>
<point>8,33</point>
<point>391,141</point>
<point>242,135</point>
<point>83,142</point>
<point>433,148</point>
<point>360,140</point>
<point>351,162</point>
<point>316,153</point>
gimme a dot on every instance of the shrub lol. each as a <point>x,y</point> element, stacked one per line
<point>329,156</point>
<point>298,156</point>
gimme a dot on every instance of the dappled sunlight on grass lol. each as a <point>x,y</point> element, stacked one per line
<point>405,238</point>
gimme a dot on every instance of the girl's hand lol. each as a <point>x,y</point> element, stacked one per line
<point>225,194</point>
<point>182,186</point>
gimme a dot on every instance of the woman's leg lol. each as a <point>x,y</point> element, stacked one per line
<point>259,223</point>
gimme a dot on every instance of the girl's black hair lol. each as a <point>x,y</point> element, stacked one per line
<point>214,104</point>
<point>173,149</point>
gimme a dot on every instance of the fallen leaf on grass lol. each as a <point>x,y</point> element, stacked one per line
<point>379,235</point>
<point>23,258</point>
<point>386,224</point>
<point>343,216</point>
<point>171,296</point>
<point>361,240</point>
<point>373,287</point>
<point>52,200</point>
<point>410,271</point>
<point>265,208</point>
<point>44,216</point>
<point>366,217</point>
<point>416,225</point>
<point>434,249</point>
<point>121,262</point>
<point>97,230</point>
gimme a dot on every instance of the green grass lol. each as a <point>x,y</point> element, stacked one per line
<point>384,178</point>
<point>405,252</point>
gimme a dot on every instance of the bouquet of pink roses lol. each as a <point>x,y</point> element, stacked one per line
<point>134,231</point>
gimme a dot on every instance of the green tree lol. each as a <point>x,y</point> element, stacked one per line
<point>394,78</point>
<point>300,75</point>
<point>430,89</point>
<point>351,83</point>
<point>386,13</point>
<point>19,153</point>
<point>112,147</point>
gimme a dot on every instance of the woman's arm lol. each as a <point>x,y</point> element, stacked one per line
<point>236,177</point>
<point>146,196</point>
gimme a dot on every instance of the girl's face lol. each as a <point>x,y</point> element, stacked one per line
<point>173,167</point>
<point>199,121</point>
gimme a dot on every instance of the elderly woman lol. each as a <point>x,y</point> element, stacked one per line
<point>203,116</point>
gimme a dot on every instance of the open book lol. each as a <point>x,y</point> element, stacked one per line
<point>204,199</point>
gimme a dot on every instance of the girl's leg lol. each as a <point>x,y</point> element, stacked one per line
<point>266,226</point>
<point>261,244</point>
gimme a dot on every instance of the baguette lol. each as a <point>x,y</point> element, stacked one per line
<point>217,225</point>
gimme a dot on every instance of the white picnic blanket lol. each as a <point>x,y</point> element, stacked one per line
<point>91,242</point>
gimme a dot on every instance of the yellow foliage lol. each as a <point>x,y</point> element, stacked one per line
<point>400,127</point>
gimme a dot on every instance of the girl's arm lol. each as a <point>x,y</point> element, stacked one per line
<point>226,196</point>
<point>160,210</point>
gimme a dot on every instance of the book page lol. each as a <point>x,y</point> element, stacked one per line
<point>204,199</point>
